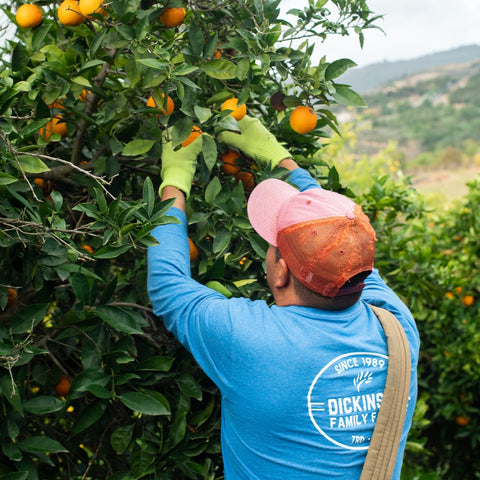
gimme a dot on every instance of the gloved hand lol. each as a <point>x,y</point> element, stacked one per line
<point>178,166</point>
<point>256,142</point>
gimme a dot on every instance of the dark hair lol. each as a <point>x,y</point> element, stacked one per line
<point>314,299</point>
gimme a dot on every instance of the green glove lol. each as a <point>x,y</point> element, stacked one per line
<point>256,142</point>
<point>178,166</point>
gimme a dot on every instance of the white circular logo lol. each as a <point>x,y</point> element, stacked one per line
<point>345,396</point>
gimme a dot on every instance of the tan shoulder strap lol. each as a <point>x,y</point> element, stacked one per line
<point>383,449</point>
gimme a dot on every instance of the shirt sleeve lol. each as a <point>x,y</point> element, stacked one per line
<point>199,317</point>
<point>302,179</point>
<point>379,294</point>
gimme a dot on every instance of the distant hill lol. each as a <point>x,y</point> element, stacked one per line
<point>369,78</point>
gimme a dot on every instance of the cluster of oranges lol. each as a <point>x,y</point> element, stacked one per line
<point>74,12</point>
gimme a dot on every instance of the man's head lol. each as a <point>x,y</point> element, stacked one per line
<point>324,237</point>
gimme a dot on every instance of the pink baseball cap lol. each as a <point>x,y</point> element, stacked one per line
<point>324,237</point>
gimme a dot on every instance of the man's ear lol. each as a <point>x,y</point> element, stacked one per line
<point>282,274</point>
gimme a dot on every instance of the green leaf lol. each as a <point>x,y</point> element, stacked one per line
<point>10,391</point>
<point>338,67</point>
<point>81,81</point>
<point>153,63</point>
<point>15,476</point>
<point>88,416</point>
<point>43,404</point>
<point>99,391</point>
<point>121,438</point>
<point>84,380</point>
<point>158,363</point>
<point>220,288</point>
<point>209,150</point>
<point>210,46</point>
<point>185,70</point>
<point>196,39</point>
<point>28,317</point>
<point>189,386</point>
<point>149,195</point>
<point>109,251</point>
<point>222,239</point>
<point>6,179</point>
<point>137,147</point>
<point>177,430</point>
<point>203,114</point>
<point>41,444</point>
<point>220,69</point>
<point>120,319</point>
<point>243,66</point>
<point>31,164</point>
<point>144,403</point>
<point>346,96</point>
<point>212,190</point>
<point>19,58</point>
<point>82,287</point>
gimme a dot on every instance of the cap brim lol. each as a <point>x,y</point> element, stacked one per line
<point>264,206</point>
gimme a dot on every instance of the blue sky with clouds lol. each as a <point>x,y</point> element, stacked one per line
<point>412,28</point>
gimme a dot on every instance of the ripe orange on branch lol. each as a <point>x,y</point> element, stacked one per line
<point>468,300</point>
<point>303,119</point>
<point>172,17</point>
<point>87,7</point>
<point>196,132</point>
<point>170,105</point>
<point>12,297</point>
<point>28,15</point>
<point>63,386</point>
<point>247,180</point>
<point>55,125</point>
<point>193,250</point>
<point>229,165</point>
<point>68,13</point>
<point>238,112</point>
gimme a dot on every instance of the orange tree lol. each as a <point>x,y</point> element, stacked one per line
<point>91,384</point>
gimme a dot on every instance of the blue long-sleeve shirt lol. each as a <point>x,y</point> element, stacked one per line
<point>300,387</point>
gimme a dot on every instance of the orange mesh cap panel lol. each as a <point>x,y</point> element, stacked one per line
<point>324,253</point>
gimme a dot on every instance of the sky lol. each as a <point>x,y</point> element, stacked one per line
<point>413,28</point>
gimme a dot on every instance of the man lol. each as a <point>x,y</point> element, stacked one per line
<point>301,381</point>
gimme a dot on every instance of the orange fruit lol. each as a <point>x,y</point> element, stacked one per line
<point>87,7</point>
<point>193,250</point>
<point>247,179</point>
<point>196,132</point>
<point>55,125</point>
<point>170,105</point>
<point>89,249</point>
<point>83,95</point>
<point>68,13</point>
<point>462,421</point>
<point>63,386</point>
<point>303,119</point>
<point>228,158</point>
<point>12,297</point>
<point>468,300</point>
<point>39,181</point>
<point>172,17</point>
<point>28,15</point>
<point>237,112</point>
